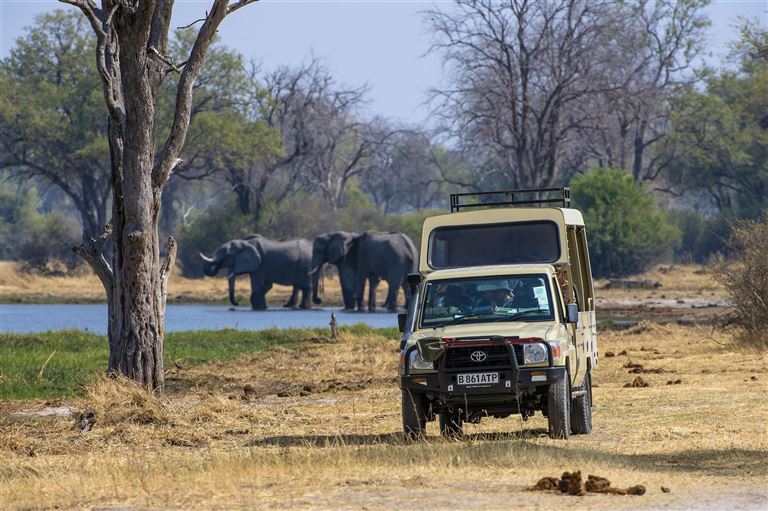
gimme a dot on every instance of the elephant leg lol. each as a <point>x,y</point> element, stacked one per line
<point>391,301</point>
<point>257,292</point>
<point>373,284</point>
<point>306,302</point>
<point>359,290</point>
<point>348,283</point>
<point>261,298</point>
<point>292,300</point>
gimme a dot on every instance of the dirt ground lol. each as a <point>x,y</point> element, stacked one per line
<point>318,427</point>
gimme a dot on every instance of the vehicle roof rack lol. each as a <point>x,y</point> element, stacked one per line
<point>511,198</point>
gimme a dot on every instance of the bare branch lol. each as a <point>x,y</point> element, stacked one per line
<point>175,141</point>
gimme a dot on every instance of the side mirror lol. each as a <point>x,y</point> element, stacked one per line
<point>572,313</point>
<point>401,321</point>
<point>413,279</point>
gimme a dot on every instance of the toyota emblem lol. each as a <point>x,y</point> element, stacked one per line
<point>478,356</point>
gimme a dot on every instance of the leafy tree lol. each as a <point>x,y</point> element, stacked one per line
<point>720,135</point>
<point>52,122</point>
<point>627,229</point>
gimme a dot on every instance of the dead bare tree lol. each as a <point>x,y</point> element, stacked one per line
<point>338,144</point>
<point>131,48</point>
<point>520,71</point>
<point>654,45</point>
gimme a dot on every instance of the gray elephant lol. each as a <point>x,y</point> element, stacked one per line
<point>388,256</point>
<point>335,248</point>
<point>268,262</point>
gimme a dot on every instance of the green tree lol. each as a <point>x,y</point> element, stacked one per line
<point>720,136</point>
<point>627,229</point>
<point>52,122</point>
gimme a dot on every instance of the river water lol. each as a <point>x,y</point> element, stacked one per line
<point>25,318</point>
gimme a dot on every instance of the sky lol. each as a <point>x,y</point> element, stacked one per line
<point>381,43</point>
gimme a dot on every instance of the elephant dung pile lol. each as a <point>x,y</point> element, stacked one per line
<point>570,483</point>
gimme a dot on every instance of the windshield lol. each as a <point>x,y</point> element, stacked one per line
<point>486,299</point>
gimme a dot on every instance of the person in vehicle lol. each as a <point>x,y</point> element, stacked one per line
<point>524,298</point>
<point>493,295</point>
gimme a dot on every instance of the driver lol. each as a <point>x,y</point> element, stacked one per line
<point>494,295</point>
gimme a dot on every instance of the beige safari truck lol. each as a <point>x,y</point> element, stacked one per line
<point>502,315</point>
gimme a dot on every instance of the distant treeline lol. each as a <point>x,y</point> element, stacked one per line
<point>662,157</point>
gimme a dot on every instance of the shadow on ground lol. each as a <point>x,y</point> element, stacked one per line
<point>720,462</point>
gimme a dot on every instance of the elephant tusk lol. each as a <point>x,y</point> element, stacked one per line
<point>206,258</point>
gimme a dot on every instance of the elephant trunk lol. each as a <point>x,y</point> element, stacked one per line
<point>231,278</point>
<point>317,273</point>
<point>210,266</point>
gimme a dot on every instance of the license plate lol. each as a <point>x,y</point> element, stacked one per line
<point>477,379</point>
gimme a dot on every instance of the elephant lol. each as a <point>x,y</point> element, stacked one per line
<point>267,262</point>
<point>389,256</point>
<point>335,248</point>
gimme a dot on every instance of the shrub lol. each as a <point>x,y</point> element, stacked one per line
<point>47,242</point>
<point>745,278</point>
<point>701,236</point>
<point>627,229</point>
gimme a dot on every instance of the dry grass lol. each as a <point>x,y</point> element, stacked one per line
<point>224,437</point>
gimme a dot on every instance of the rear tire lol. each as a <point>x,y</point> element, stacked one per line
<point>581,409</point>
<point>559,409</point>
<point>451,424</point>
<point>414,416</point>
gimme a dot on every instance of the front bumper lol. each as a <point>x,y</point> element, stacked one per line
<point>504,358</point>
<point>511,383</point>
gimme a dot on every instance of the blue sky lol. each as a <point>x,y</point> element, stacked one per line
<point>381,43</point>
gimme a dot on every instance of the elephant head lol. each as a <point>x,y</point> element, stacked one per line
<point>331,247</point>
<point>238,256</point>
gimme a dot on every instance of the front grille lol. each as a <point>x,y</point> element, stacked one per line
<point>461,358</point>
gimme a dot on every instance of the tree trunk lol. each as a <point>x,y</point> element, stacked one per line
<point>131,39</point>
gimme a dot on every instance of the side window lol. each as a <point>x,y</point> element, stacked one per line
<point>585,269</point>
<point>558,300</point>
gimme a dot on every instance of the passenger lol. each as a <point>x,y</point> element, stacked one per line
<point>493,296</point>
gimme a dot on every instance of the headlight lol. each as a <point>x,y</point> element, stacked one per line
<point>535,353</point>
<point>416,362</point>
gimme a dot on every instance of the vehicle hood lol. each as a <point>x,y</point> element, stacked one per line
<point>547,330</point>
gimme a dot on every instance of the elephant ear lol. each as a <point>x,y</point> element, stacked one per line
<point>337,249</point>
<point>247,258</point>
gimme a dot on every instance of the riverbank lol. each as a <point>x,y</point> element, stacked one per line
<point>312,423</point>
<point>81,286</point>
<point>684,292</point>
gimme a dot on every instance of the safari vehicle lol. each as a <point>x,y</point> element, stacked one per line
<point>502,316</point>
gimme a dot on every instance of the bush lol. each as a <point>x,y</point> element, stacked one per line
<point>701,236</point>
<point>745,278</point>
<point>627,229</point>
<point>47,242</point>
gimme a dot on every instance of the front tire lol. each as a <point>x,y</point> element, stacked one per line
<point>414,415</point>
<point>451,424</point>
<point>581,412</point>
<point>559,409</point>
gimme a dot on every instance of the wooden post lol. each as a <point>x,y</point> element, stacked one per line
<point>334,327</point>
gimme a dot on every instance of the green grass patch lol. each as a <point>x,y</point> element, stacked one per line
<point>53,364</point>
